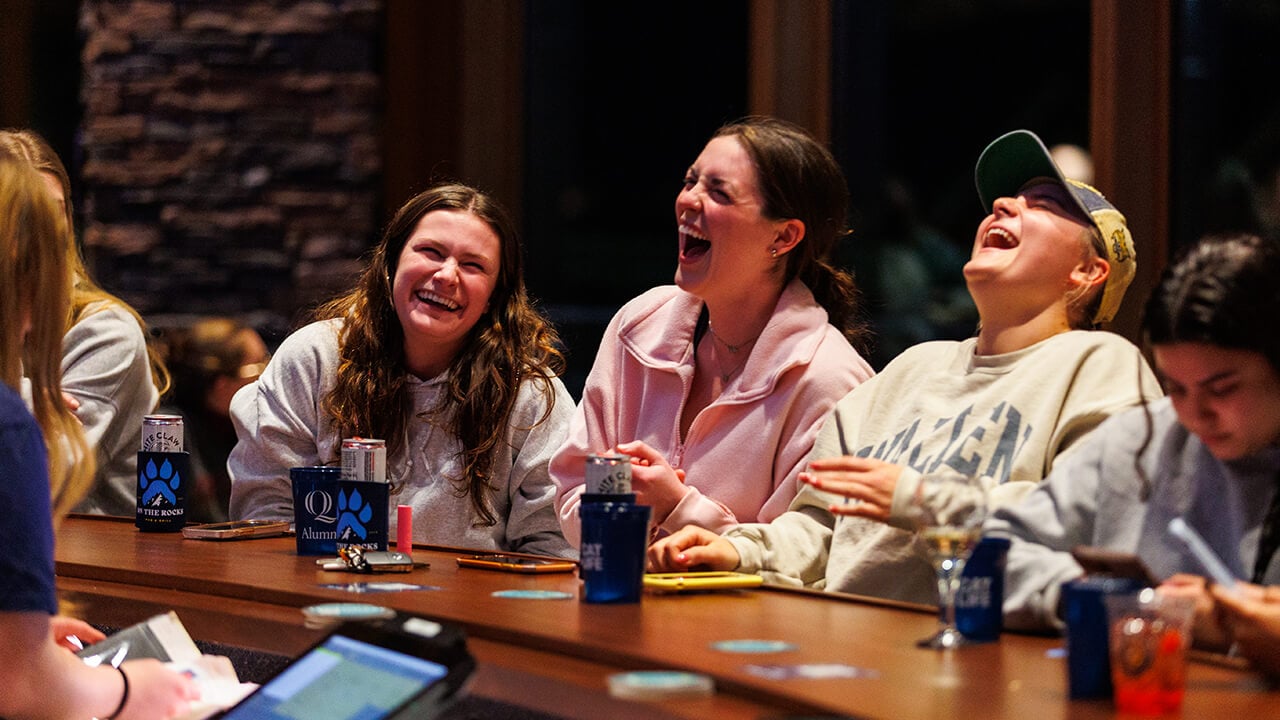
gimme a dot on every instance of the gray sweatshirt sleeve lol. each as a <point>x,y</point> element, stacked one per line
<point>105,366</point>
<point>277,421</point>
<point>1052,519</point>
<point>532,524</point>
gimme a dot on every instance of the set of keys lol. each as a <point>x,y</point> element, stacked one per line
<point>355,559</point>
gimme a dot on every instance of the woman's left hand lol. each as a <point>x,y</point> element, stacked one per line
<point>869,481</point>
<point>64,628</point>
<point>654,481</point>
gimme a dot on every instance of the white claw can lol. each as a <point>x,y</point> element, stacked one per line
<point>608,474</point>
<point>162,433</point>
<point>364,460</point>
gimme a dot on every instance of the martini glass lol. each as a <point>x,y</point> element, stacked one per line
<point>947,510</point>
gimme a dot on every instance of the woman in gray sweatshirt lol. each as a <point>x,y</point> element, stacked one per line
<point>438,351</point>
<point>1208,453</point>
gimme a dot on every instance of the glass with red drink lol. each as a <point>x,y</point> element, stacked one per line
<point>1149,637</point>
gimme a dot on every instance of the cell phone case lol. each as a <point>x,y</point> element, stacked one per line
<point>505,563</point>
<point>698,581</point>
<point>1100,561</point>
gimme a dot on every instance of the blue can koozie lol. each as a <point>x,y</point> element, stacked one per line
<point>980,599</point>
<point>315,509</point>
<point>363,511</point>
<point>1088,647</point>
<point>162,491</point>
<point>615,536</point>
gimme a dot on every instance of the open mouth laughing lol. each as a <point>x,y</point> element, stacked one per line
<point>999,239</point>
<point>432,299</point>
<point>692,244</point>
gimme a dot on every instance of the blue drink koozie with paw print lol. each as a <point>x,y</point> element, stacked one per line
<point>363,510</point>
<point>162,491</point>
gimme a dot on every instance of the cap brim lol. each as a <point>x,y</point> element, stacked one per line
<point>1009,163</point>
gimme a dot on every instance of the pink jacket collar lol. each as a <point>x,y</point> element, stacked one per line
<point>661,336</point>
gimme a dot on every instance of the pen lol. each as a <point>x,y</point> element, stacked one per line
<point>1198,547</point>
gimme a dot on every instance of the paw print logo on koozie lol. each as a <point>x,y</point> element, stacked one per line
<point>353,512</point>
<point>159,484</point>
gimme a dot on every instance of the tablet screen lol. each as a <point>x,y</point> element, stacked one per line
<point>344,679</point>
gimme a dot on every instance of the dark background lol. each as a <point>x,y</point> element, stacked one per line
<point>619,98</point>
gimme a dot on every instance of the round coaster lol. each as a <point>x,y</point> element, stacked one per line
<point>329,614</point>
<point>752,646</point>
<point>659,684</point>
<point>533,594</point>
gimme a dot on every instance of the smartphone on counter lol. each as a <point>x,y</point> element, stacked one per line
<point>511,563</point>
<point>700,581</point>
<point>236,530</point>
<point>1099,561</point>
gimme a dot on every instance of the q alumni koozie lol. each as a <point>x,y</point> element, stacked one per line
<point>162,491</point>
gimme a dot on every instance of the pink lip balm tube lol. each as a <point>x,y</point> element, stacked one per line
<point>404,529</point>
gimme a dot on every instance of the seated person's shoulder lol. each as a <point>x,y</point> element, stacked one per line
<point>926,357</point>
<point>308,339</point>
<point>106,321</point>
<point>652,300</point>
<point>1140,425</point>
<point>1098,341</point>
<point>14,413</point>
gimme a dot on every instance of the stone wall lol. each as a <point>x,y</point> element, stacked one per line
<point>229,151</point>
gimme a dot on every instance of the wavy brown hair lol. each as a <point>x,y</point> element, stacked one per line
<point>510,343</point>
<point>35,285</point>
<point>799,178</point>
<point>85,293</point>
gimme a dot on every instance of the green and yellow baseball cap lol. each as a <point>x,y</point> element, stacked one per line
<point>1014,159</point>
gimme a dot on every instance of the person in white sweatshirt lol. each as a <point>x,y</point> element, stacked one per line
<point>1049,263</point>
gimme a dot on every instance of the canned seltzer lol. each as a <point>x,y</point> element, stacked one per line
<point>364,460</point>
<point>162,433</point>
<point>608,474</point>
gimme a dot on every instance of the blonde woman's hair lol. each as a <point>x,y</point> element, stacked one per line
<point>34,298</point>
<point>86,296</point>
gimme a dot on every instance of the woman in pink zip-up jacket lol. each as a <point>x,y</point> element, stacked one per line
<point>716,387</point>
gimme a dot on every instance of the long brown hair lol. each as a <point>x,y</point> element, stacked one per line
<point>35,287</point>
<point>86,296</point>
<point>799,178</point>
<point>511,342</point>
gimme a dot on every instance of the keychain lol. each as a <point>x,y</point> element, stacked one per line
<point>354,559</point>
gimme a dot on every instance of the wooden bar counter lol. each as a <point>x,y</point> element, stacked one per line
<point>555,655</point>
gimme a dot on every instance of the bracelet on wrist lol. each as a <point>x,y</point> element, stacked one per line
<point>124,697</point>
